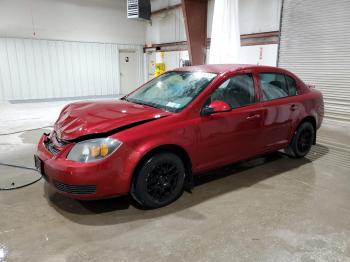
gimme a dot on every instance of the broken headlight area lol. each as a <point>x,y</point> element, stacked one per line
<point>93,149</point>
<point>53,143</point>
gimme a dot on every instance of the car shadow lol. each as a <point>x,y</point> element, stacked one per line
<point>208,185</point>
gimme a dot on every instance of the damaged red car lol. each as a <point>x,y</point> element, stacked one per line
<point>151,142</point>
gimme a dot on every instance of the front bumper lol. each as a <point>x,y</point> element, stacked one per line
<point>101,179</point>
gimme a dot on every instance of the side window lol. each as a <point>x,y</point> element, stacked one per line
<point>273,86</point>
<point>236,91</point>
<point>292,86</point>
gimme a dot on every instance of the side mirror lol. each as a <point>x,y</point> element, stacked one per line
<point>216,106</point>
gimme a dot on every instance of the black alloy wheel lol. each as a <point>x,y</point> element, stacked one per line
<point>159,180</point>
<point>162,180</point>
<point>302,140</point>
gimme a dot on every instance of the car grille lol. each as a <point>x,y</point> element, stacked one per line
<point>51,147</point>
<point>75,189</point>
<point>54,144</point>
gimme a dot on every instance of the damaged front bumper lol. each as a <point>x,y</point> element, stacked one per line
<point>101,179</point>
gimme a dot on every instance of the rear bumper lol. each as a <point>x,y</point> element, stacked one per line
<point>101,179</point>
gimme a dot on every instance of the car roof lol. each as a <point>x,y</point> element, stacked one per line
<point>223,68</point>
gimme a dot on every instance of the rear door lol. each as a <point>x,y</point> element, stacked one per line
<point>277,93</point>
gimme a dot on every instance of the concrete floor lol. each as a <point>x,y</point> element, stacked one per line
<point>268,209</point>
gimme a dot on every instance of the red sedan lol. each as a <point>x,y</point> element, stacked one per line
<point>186,121</point>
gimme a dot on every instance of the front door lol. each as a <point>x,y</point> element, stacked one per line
<point>231,136</point>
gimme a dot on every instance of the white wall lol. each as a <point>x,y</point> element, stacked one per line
<point>74,51</point>
<point>161,4</point>
<point>174,59</point>
<point>259,55</point>
<point>258,16</point>
<point>256,55</point>
<point>74,20</point>
<point>166,27</point>
<point>65,48</point>
<point>255,16</point>
<point>37,69</point>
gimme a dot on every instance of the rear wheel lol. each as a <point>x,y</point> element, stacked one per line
<point>159,180</point>
<point>302,140</point>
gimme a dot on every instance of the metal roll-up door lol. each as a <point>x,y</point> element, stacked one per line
<point>315,45</point>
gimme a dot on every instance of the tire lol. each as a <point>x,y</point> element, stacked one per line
<point>302,141</point>
<point>159,180</point>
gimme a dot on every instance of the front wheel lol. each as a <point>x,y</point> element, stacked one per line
<point>159,180</point>
<point>302,140</point>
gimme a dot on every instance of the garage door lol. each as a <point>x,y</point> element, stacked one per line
<point>315,44</point>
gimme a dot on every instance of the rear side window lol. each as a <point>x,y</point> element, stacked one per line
<point>236,91</point>
<point>292,86</point>
<point>273,86</point>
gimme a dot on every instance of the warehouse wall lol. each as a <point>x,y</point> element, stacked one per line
<point>161,4</point>
<point>166,27</point>
<point>73,20</point>
<point>259,54</point>
<point>256,16</point>
<point>37,69</point>
<point>65,48</point>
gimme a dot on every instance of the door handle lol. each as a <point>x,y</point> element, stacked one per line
<point>293,107</point>
<point>252,117</point>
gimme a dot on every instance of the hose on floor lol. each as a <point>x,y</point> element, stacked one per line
<point>21,186</point>
<point>17,132</point>
<point>22,167</point>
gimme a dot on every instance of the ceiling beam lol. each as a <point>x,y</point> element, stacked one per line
<point>263,38</point>
<point>165,9</point>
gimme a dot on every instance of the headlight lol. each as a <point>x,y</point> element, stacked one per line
<point>94,149</point>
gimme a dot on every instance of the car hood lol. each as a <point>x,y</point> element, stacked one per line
<point>88,118</point>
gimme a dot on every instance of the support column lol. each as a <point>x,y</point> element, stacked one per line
<point>195,16</point>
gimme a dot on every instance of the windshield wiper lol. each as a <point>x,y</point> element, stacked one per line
<point>143,103</point>
<point>125,98</point>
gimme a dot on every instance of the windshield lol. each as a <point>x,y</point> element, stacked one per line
<point>172,91</point>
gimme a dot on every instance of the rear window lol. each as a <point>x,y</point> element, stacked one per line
<point>273,86</point>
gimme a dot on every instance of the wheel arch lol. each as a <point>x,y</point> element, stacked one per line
<point>172,148</point>
<point>310,119</point>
